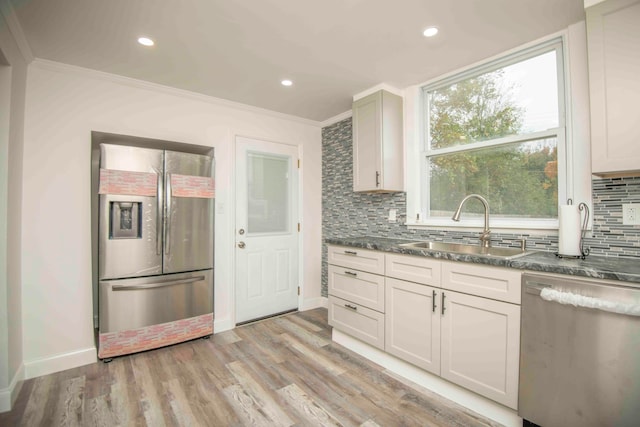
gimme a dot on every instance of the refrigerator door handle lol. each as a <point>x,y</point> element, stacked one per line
<point>167,216</point>
<point>157,285</point>
<point>159,216</point>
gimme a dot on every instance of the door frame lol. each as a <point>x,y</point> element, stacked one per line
<point>232,232</point>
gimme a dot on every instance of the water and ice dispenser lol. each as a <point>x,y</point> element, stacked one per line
<point>125,221</point>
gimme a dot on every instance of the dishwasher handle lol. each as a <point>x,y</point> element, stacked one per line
<point>535,288</point>
<point>567,298</point>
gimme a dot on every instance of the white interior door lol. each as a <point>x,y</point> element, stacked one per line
<point>266,228</point>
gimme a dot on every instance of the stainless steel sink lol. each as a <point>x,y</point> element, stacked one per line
<point>456,248</point>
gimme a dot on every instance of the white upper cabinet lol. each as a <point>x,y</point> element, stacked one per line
<point>613,36</point>
<point>378,148</point>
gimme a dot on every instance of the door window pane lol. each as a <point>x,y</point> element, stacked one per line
<point>268,193</point>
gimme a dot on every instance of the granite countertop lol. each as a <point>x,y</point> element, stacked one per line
<point>598,267</point>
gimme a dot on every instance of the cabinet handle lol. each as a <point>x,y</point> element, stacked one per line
<point>351,252</point>
<point>442,308</point>
<point>351,307</point>
<point>377,179</point>
<point>433,300</point>
<point>351,273</point>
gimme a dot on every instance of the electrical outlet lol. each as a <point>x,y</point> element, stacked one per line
<point>393,215</point>
<point>631,214</point>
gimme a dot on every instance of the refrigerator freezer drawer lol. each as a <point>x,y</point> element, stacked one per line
<point>135,303</point>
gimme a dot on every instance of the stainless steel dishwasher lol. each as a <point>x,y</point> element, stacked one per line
<point>579,352</point>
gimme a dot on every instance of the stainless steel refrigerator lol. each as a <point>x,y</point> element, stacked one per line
<point>155,251</point>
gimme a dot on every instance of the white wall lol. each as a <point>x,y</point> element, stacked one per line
<point>64,104</point>
<point>13,75</point>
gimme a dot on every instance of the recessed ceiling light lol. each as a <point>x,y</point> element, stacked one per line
<point>430,32</point>
<point>286,82</point>
<point>145,41</point>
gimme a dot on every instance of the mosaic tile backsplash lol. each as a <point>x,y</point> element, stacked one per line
<point>349,214</point>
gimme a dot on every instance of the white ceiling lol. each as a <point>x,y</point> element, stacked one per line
<point>240,50</point>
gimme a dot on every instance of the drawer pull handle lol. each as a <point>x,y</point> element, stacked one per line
<point>433,300</point>
<point>351,307</point>
<point>351,252</point>
<point>351,273</point>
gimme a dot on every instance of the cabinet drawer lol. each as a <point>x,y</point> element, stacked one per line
<point>360,259</point>
<point>414,269</point>
<point>491,282</point>
<point>362,288</point>
<point>358,321</point>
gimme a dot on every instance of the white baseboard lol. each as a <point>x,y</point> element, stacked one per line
<point>59,362</point>
<point>8,395</point>
<point>444,388</point>
<point>311,303</point>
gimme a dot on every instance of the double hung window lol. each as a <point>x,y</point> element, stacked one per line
<point>498,130</point>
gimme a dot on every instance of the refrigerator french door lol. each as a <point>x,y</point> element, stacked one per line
<point>155,254</point>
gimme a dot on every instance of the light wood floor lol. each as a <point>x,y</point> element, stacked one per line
<point>278,372</point>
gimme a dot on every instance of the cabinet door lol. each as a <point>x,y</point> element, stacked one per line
<point>613,35</point>
<point>480,346</point>
<point>378,144</point>
<point>412,323</point>
<point>367,127</point>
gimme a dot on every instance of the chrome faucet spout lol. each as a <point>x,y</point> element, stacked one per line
<point>485,236</point>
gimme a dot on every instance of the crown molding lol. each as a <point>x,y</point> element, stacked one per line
<point>142,84</point>
<point>10,17</point>
<point>381,86</point>
<point>336,119</point>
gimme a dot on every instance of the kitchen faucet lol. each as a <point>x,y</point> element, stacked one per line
<point>485,236</point>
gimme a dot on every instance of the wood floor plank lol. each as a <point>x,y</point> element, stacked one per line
<point>264,335</point>
<point>309,411</point>
<point>266,400</point>
<point>328,390</point>
<point>124,399</point>
<point>70,406</point>
<point>313,353</point>
<point>466,416</point>
<point>305,335</point>
<point>180,407</point>
<point>36,406</point>
<point>306,324</point>
<point>247,408</point>
<point>99,414</point>
<point>150,400</point>
<point>276,372</point>
<point>226,337</point>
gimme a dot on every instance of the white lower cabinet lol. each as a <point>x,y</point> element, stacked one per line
<point>480,341</point>
<point>456,320</point>
<point>412,323</point>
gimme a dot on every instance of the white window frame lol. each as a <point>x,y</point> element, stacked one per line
<point>574,180</point>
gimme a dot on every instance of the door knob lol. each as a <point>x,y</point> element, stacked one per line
<point>241,245</point>
<point>241,231</point>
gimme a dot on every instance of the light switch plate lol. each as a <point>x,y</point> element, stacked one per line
<point>631,214</point>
